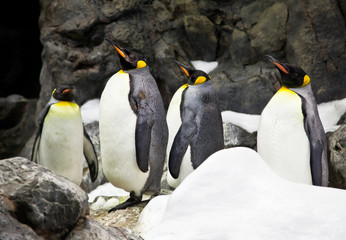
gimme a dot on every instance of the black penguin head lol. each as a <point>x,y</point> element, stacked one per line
<point>63,93</point>
<point>291,76</point>
<point>128,60</point>
<point>196,76</point>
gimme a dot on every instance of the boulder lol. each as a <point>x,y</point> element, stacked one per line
<point>35,203</point>
<point>235,136</point>
<point>337,158</point>
<point>50,204</point>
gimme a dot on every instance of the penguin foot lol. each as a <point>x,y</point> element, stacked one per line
<point>128,203</point>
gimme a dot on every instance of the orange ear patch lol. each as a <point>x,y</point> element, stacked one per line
<point>67,90</point>
<point>281,67</point>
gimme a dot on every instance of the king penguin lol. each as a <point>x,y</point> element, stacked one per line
<point>61,143</point>
<point>195,126</point>
<point>290,137</point>
<point>133,129</point>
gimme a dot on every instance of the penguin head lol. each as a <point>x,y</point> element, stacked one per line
<point>63,93</point>
<point>291,76</point>
<point>128,60</point>
<point>196,76</point>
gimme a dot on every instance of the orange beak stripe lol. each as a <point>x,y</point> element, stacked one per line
<point>119,51</point>
<point>185,71</point>
<point>280,67</point>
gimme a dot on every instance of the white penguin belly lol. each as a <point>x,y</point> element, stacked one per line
<point>117,136</point>
<point>174,123</point>
<point>282,141</point>
<point>61,143</point>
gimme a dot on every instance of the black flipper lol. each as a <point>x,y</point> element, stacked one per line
<point>180,144</point>
<point>38,132</point>
<point>139,102</point>
<point>90,156</point>
<point>144,126</point>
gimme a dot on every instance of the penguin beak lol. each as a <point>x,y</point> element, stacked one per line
<point>185,69</point>
<point>277,63</point>
<point>117,48</point>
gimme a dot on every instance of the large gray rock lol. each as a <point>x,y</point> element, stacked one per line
<point>50,204</point>
<point>337,158</point>
<point>35,203</point>
<point>10,227</point>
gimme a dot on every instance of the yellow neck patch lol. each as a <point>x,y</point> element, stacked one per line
<point>306,80</point>
<point>200,79</point>
<point>65,104</point>
<point>286,90</point>
<point>184,86</point>
<point>141,64</point>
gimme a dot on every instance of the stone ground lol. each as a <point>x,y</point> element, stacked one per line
<point>122,218</point>
<point>126,218</point>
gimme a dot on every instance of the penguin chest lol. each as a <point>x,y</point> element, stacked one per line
<point>61,143</point>
<point>282,141</point>
<point>117,135</point>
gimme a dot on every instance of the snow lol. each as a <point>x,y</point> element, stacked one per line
<point>249,122</point>
<point>106,190</point>
<point>331,112</point>
<point>235,195</point>
<point>90,111</point>
<point>206,67</point>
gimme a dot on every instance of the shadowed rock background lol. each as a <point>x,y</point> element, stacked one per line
<point>237,34</point>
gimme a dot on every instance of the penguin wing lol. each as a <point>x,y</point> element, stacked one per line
<point>90,156</point>
<point>318,146</point>
<point>144,125</point>
<point>38,132</point>
<point>182,139</point>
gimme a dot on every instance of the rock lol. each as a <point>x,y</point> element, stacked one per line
<point>50,204</point>
<point>337,158</point>
<point>35,203</point>
<point>88,229</point>
<point>10,227</point>
<point>236,136</point>
<point>17,124</point>
<point>237,34</point>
